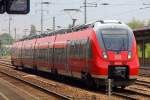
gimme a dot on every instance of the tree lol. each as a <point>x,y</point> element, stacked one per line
<point>33,30</point>
<point>6,39</point>
<point>148,23</point>
<point>134,24</point>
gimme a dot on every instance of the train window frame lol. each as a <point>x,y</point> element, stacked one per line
<point>14,7</point>
<point>50,55</point>
<point>89,54</point>
<point>2,6</point>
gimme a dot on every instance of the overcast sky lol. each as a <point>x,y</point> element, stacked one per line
<point>124,10</point>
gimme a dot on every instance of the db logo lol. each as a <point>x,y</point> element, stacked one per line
<point>117,57</point>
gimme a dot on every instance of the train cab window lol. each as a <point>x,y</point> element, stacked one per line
<point>116,39</point>
<point>116,42</point>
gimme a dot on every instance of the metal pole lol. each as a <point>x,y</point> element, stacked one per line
<point>9,28</point>
<point>41,16</point>
<point>54,23</point>
<point>15,33</point>
<point>109,89</point>
<point>85,11</point>
<point>143,53</point>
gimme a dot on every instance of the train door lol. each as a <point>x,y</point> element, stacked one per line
<point>38,55</point>
<point>49,56</point>
<point>87,54</point>
<point>32,55</point>
<point>67,60</point>
<point>35,55</point>
<point>21,55</point>
<point>82,54</point>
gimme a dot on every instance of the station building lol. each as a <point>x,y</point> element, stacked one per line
<point>143,41</point>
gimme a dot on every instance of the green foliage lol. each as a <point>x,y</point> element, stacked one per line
<point>148,22</point>
<point>4,51</point>
<point>147,50</point>
<point>134,24</point>
<point>139,51</point>
<point>6,39</point>
<point>33,30</point>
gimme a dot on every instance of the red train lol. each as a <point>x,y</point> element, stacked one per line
<point>92,52</point>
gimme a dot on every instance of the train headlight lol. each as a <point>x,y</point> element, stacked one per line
<point>129,55</point>
<point>105,55</point>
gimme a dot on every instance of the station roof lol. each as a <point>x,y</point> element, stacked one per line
<point>142,34</point>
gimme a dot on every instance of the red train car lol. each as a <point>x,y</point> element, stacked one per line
<point>92,52</point>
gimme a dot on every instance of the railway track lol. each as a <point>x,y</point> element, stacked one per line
<point>46,86</point>
<point>43,87</point>
<point>145,71</point>
<point>131,95</point>
<point>128,94</point>
<point>143,83</point>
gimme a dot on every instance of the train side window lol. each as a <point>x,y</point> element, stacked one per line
<point>81,49</point>
<point>46,54</point>
<point>70,51</point>
<point>89,49</point>
<point>50,55</point>
<point>43,56</point>
<point>39,53</point>
<point>52,51</point>
<point>31,53</point>
<point>78,49</point>
<point>75,49</point>
<point>56,56</point>
<point>59,55</point>
<point>62,55</point>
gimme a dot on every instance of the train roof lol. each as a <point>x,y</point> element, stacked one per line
<point>102,23</point>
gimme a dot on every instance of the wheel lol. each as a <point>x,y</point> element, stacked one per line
<point>123,87</point>
<point>88,80</point>
<point>12,62</point>
<point>35,69</point>
<point>114,88</point>
<point>54,74</point>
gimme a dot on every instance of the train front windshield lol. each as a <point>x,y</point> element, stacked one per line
<point>115,40</point>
